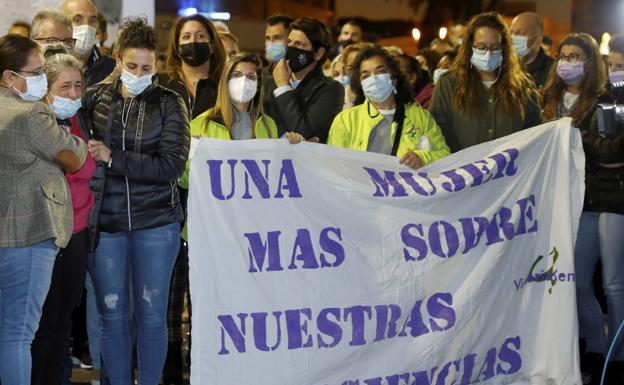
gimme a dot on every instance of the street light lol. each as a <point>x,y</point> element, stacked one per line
<point>442,33</point>
<point>416,34</point>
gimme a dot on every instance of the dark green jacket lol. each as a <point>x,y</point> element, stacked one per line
<point>491,121</point>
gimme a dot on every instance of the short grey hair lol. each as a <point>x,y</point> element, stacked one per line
<point>58,59</point>
<point>48,15</point>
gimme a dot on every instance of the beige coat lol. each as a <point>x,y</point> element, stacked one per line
<point>35,203</point>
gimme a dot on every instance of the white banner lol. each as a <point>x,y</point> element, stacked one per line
<point>316,265</point>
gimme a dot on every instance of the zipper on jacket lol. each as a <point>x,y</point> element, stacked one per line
<point>172,192</point>
<point>124,121</point>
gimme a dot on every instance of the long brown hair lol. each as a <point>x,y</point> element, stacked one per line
<point>223,108</point>
<point>512,90</point>
<point>174,60</point>
<point>591,86</point>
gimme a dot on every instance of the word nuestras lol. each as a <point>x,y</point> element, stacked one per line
<point>329,327</point>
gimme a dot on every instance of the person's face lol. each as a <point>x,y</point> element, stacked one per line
<point>245,69</point>
<point>193,32</point>
<point>615,62</point>
<point>19,30</point>
<point>523,26</point>
<point>68,84</point>
<point>338,69</point>
<point>373,66</point>
<point>350,32</point>
<point>81,12</point>
<point>138,61</point>
<point>33,67</point>
<point>487,38</point>
<point>572,54</point>
<point>231,48</point>
<point>298,39</point>
<point>275,33</point>
<point>52,32</point>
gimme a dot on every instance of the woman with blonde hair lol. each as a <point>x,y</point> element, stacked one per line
<point>486,94</point>
<point>66,83</point>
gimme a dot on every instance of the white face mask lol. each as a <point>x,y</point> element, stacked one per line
<point>65,108</point>
<point>85,38</point>
<point>36,87</point>
<point>242,89</point>
<point>521,45</point>
<point>135,84</point>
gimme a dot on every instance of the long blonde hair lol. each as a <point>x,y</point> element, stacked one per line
<point>223,108</point>
<point>513,88</point>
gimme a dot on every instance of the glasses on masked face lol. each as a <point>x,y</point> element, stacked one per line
<point>69,42</point>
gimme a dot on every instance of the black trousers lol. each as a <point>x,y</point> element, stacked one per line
<point>51,343</point>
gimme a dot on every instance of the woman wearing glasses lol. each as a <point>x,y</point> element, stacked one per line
<point>574,88</point>
<point>35,203</point>
<point>576,81</point>
<point>486,94</point>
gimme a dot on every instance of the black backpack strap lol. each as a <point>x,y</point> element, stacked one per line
<point>399,118</point>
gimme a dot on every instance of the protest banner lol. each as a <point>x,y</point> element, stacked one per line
<point>316,265</point>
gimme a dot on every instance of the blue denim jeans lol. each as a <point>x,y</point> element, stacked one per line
<point>146,258</point>
<point>93,324</point>
<point>600,235</point>
<point>25,274</point>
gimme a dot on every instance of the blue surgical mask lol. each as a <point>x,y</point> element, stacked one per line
<point>520,45</point>
<point>377,88</point>
<point>345,80</point>
<point>36,87</point>
<point>486,60</point>
<point>135,84</point>
<point>65,108</point>
<point>275,51</point>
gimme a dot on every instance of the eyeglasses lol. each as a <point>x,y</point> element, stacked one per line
<point>572,58</point>
<point>250,75</point>
<point>37,72</point>
<point>485,47</point>
<point>70,42</point>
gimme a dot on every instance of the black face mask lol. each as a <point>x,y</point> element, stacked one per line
<point>195,54</point>
<point>298,59</point>
<point>345,43</point>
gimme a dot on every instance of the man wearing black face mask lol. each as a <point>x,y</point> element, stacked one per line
<point>304,100</point>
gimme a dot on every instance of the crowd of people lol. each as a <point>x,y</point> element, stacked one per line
<point>95,147</point>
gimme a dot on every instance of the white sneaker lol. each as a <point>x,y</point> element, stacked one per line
<point>95,382</point>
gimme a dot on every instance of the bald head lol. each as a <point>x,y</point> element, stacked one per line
<point>81,12</point>
<point>527,21</point>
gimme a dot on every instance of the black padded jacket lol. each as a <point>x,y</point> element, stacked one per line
<point>149,137</point>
